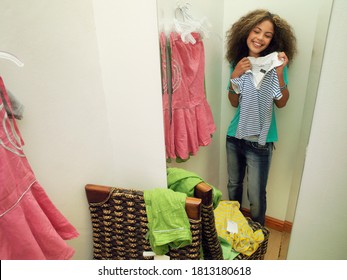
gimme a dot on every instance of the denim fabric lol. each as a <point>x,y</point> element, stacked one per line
<point>242,156</point>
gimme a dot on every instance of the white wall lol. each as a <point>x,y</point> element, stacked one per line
<point>128,42</point>
<point>319,230</point>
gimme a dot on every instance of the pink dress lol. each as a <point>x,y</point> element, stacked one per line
<point>192,123</point>
<point>31,227</point>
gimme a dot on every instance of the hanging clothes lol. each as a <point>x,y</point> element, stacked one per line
<point>17,106</point>
<point>191,124</point>
<point>192,118</point>
<point>31,227</point>
<point>166,96</point>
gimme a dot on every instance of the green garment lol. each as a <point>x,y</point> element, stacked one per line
<point>180,180</point>
<point>228,252</point>
<point>168,223</point>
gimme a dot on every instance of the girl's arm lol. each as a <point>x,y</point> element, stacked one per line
<point>280,74</point>
<point>285,92</point>
<point>234,99</point>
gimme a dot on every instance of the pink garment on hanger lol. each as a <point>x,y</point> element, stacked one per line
<point>192,119</point>
<point>31,227</point>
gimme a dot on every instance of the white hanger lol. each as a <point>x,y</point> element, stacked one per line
<point>189,24</point>
<point>11,57</point>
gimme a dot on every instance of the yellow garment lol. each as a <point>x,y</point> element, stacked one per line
<point>245,241</point>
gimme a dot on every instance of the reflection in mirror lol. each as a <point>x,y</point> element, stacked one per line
<point>310,24</point>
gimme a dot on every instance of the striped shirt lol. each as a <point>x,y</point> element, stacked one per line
<point>256,105</point>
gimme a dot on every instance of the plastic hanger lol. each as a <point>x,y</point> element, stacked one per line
<point>11,57</point>
<point>188,25</point>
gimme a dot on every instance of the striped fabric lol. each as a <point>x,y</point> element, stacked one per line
<point>256,105</point>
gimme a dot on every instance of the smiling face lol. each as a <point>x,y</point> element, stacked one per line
<point>260,37</point>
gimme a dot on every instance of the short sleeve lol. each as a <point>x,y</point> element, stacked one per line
<point>231,68</point>
<point>285,74</point>
<point>237,84</point>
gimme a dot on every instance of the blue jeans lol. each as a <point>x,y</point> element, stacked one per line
<point>244,155</point>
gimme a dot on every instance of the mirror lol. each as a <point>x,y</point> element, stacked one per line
<point>310,23</point>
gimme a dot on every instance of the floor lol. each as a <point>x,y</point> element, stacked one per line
<point>277,247</point>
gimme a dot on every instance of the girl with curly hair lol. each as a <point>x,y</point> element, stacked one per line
<point>260,47</point>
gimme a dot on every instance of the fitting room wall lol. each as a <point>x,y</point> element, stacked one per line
<point>319,230</point>
<point>91,90</point>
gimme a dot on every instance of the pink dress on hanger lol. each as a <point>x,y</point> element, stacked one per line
<point>192,121</point>
<point>31,227</point>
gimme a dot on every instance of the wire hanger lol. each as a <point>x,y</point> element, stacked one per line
<point>188,24</point>
<point>11,57</point>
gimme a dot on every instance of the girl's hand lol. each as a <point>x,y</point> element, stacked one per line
<point>241,67</point>
<point>282,56</point>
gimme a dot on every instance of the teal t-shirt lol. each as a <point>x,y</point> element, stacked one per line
<point>272,135</point>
